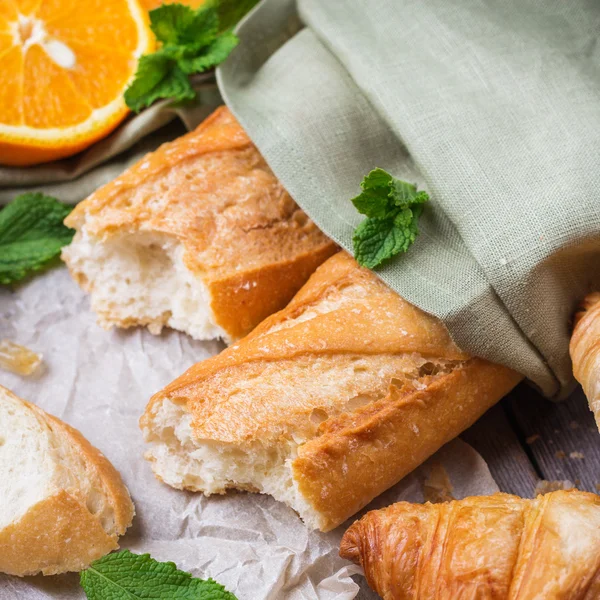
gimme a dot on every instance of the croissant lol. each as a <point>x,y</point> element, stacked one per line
<point>324,405</point>
<point>497,547</point>
<point>585,351</point>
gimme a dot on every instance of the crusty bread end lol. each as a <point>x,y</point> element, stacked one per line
<point>324,405</point>
<point>62,504</point>
<point>199,236</point>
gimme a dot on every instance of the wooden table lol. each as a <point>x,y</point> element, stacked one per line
<point>526,438</point>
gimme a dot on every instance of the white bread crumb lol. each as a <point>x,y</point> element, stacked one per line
<point>141,279</point>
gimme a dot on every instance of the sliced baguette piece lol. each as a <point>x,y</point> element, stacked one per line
<point>198,236</point>
<point>324,405</point>
<point>62,504</point>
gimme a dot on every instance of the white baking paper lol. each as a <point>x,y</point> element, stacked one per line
<point>100,382</point>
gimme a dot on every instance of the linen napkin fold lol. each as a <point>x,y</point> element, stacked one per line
<point>493,107</point>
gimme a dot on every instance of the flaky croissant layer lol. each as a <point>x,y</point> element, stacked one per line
<point>585,351</point>
<point>497,547</point>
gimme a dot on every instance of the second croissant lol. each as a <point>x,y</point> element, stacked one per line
<point>497,547</point>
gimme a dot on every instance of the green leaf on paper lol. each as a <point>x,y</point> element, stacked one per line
<point>127,576</point>
<point>31,234</point>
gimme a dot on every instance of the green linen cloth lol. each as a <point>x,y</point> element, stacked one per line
<point>493,106</point>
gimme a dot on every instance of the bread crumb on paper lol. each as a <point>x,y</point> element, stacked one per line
<point>545,487</point>
<point>437,487</point>
<point>18,359</point>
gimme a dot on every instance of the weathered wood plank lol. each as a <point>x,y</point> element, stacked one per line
<point>494,438</point>
<point>562,437</point>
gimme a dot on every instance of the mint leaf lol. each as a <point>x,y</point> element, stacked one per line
<point>179,25</point>
<point>216,53</point>
<point>31,234</point>
<point>232,11</point>
<point>402,192</point>
<point>406,222</point>
<point>192,42</point>
<point>375,201</point>
<point>167,21</point>
<point>127,576</point>
<point>377,179</point>
<point>393,208</point>
<point>157,77</point>
<point>375,240</point>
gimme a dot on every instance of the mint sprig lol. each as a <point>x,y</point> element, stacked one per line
<point>191,41</point>
<point>127,576</point>
<point>31,234</point>
<point>392,207</point>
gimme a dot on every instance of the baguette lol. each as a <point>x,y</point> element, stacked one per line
<point>585,351</point>
<point>198,236</point>
<point>62,504</point>
<point>497,547</point>
<point>324,405</point>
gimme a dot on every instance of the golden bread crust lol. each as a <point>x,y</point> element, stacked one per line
<point>497,547</point>
<point>61,532</point>
<point>56,535</point>
<point>110,478</point>
<point>359,455</point>
<point>213,192</point>
<point>585,351</point>
<point>366,384</point>
<point>364,327</point>
<point>243,300</point>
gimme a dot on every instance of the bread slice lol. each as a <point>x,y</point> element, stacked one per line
<point>199,236</point>
<point>62,504</point>
<point>325,404</point>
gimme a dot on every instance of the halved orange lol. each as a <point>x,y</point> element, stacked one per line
<point>64,65</point>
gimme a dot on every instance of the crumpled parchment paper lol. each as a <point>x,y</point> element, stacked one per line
<point>100,382</point>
